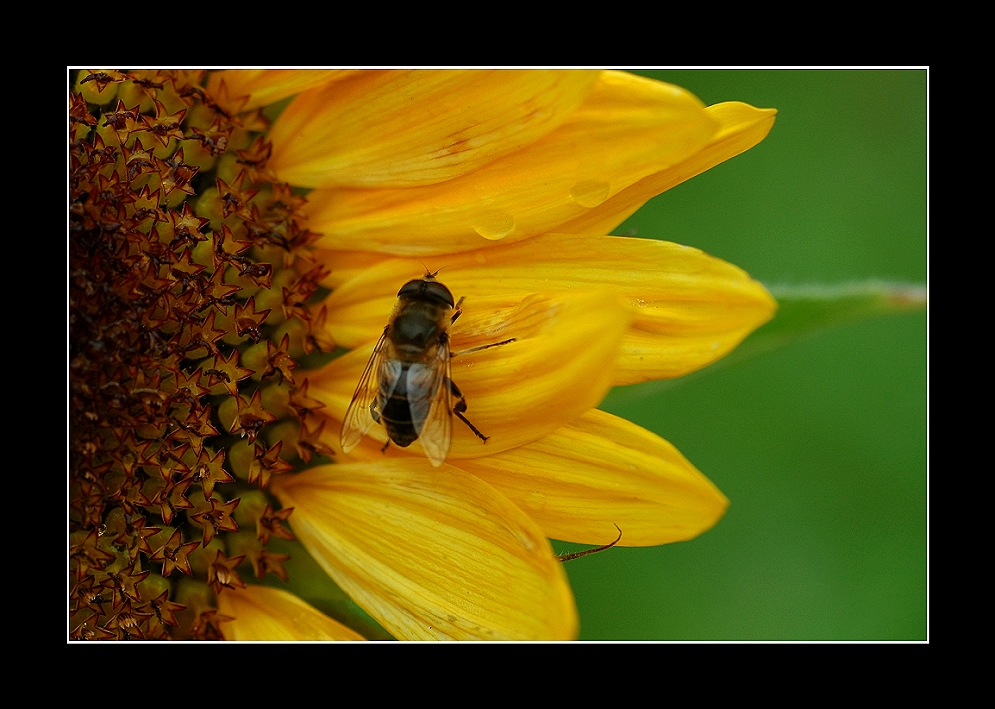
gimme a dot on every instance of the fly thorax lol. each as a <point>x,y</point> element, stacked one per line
<point>414,331</point>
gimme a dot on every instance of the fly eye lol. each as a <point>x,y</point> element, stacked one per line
<point>424,289</point>
<point>410,288</point>
<point>440,292</point>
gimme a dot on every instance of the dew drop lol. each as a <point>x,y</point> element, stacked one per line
<point>535,501</point>
<point>494,225</point>
<point>589,193</point>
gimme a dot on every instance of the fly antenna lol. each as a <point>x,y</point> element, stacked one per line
<point>428,272</point>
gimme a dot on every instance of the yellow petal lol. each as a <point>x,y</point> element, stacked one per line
<point>264,613</point>
<point>266,86</point>
<point>343,266</point>
<point>626,129</point>
<point>690,308</point>
<point>559,367</point>
<point>600,471</point>
<point>403,128</point>
<point>742,127</point>
<point>430,553</point>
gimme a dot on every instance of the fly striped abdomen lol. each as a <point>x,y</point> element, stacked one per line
<point>396,410</point>
<point>406,385</point>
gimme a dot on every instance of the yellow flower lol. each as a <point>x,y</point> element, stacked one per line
<point>263,613</point>
<point>506,183</point>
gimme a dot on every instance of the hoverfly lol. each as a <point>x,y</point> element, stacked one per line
<point>406,385</point>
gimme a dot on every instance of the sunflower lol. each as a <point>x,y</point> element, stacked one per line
<point>214,253</point>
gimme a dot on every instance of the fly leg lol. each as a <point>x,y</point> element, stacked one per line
<point>376,417</point>
<point>460,407</point>
<point>481,347</point>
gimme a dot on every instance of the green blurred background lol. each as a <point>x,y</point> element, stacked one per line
<point>821,446</point>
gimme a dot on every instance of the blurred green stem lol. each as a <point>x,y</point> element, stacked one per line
<point>809,309</point>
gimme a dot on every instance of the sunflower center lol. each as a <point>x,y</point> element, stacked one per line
<point>189,283</point>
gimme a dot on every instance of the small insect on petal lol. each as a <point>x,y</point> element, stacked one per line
<point>407,384</point>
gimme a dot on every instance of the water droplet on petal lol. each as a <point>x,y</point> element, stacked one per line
<point>535,501</point>
<point>590,193</point>
<point>494,225</point>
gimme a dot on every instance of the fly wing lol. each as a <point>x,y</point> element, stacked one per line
<point>431,405</point>
<point>359,416</point>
